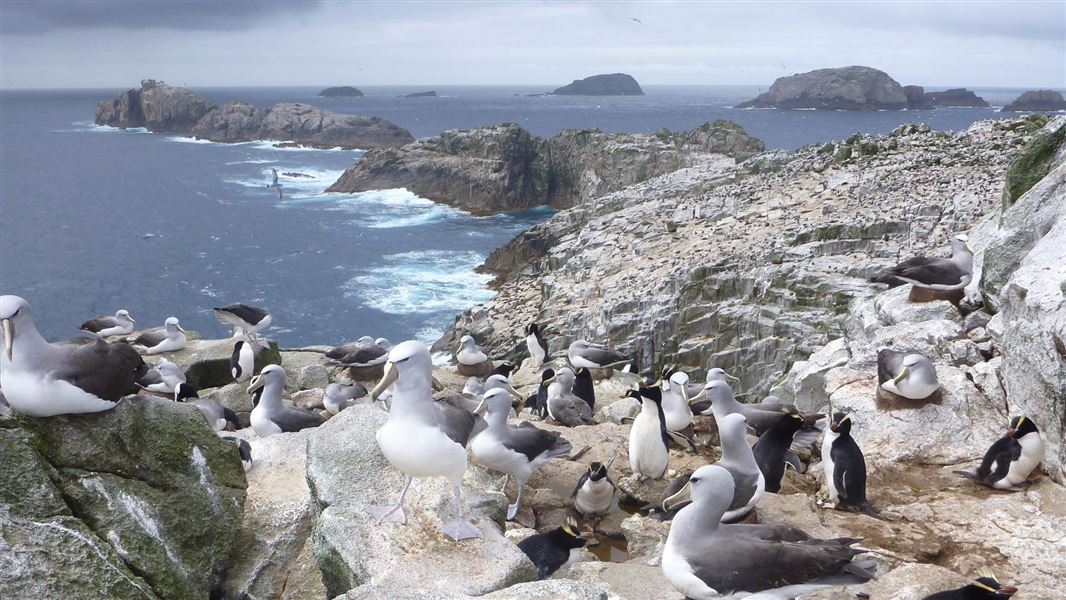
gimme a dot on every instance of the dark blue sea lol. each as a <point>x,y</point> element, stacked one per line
<point>93,219</point>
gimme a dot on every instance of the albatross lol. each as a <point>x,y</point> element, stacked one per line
<point>364,352</point>
<point>248,319</point>
<point>106,326</point>
<point>42,379</point>
<point>943,274</point>
<point>170,339</point>
<point>270,415</point>
<point>422,438</point>
<point>911,376</point>
<point>584,354</point>
<point>704,559</point>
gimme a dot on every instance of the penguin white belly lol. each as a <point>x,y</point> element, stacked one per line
<point>676,410</point>
<point>827,465</point>
<point>488,451</point>
<point>1032,454</point>
<point>647,453</point>
<point>261,423</point>
<point>420,450</point>
<point>39,396</point>
<point>594,497</point>
<point>535,351</point>
<point>679,573</point>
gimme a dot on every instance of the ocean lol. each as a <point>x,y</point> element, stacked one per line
<point>94,219</point>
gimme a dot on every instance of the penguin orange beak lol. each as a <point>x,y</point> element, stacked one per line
<point>682,497</point>
<point>1010,433</point>
<point>9,337</point>
<point>388,378</point>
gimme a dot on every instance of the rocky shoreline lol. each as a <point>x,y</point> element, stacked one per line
<point>159,107</point>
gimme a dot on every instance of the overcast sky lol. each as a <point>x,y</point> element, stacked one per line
<point>258,42</point>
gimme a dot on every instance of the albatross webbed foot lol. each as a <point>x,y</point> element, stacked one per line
<point>460,529</point>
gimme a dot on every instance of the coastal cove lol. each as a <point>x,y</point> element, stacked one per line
<point>164,222</point>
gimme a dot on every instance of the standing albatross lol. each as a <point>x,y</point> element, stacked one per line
<point>704,559</point>
<point>42,379</point>
<point>248,319</point>
<point>422,438</point>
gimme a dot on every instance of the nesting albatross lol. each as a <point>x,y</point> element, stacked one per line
<point>911,376</point>
<point>584,354</point>
<point>942,274</point>
<point>170,339</point>
<point>106,326</point>
<point>422,438</point>
<point>42,379</point>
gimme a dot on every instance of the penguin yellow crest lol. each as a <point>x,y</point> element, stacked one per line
<point>570,527</point>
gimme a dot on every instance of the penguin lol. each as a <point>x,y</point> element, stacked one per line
<point>583,387</point>
<point>536,344</point>
<point>649,440</point>
<point>551,551</point>
<point>844,466</point>
<point>594,494</point>
<point>242,361</point>
<point>538,403</point>
<point>984,587</point>
<point>771,447</point>
<point>504,368</point>
<point>216,415</point>
<point>1011,459</point>
<point>244,449</point>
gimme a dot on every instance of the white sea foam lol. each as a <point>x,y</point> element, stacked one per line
<point>295,190</point>
<point>188,140</point>
<point>94,128</point>
<point>387,209</point>
<point>427,281</point>
<point>255,161</point>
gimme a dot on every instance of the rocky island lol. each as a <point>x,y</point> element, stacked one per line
<point>159,107</point>
<point>501,168</point>
<point>429,94</point>
<point>757,266</point>
<point>956,97</point>
<point>613,84</point>
<point>1036,101</point>
<point>844,88</point>
<point>343,91</point>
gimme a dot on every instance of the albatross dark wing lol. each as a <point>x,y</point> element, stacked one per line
<point>532,441</point>
<point>938,272</point>
<point>889,364</point>
<point>249,314</point>
<point>108,371</point>
<point>457,423</point>
<point>889,275</point>
<point>97,324</point>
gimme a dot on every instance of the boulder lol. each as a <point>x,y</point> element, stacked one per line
<point>353,549</point>
<point>156,106</point>
<point>614,84</point>
<point>847,88</point>
<point>342,91</point>
<point>625,581</point>
<point>308,125</point>
<point>144,499</point>
<point>278,516</point>
<point>1037,100</point>
<point>206,362</point>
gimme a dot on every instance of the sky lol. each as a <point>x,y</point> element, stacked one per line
<point>79,44</point>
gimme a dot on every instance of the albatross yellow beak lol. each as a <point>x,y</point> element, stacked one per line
<point>697,397</point>
<point>9,336</point>
<point>389,378</point>
<point>256,383</point>
<point>902,375</point>
<point>683,496</point>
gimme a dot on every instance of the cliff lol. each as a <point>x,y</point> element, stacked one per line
<point>343,91</point>
<point>501,168</point>
<point>614,84</point>
<point>956,97</point>
<point>165,108</point>
<point>766,257</point>
<point>846,88</point>
<point>1037,100</point>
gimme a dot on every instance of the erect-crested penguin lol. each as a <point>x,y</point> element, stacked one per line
<point>770,449</point>
<point>537,403</point>
<point>844,465</point>
<point>1010,460</point>
<point>985,587</point>
<point>550,551</point>
<point>584,388</point>
<point>536,344</point>
<point>242,361</point>
<point>594,494</point>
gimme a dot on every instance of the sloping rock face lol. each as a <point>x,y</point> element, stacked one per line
<point>956,97</point>
<point>916,98</point>
<point>764,261</point>
<point>1037,100</point>
<point>157,106</point>
<point>1023,277</point>
<point>847,88</point>
<point>142,501</point>
<point>501,168</point>
<point>166,108</point>
<point>613,84</point>
<point>342,91</point>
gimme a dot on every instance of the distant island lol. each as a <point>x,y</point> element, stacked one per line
<point>429,94</point>
<point>159,107</point>
<point>344,91</point>
<point>1037,100</point>
<point>614,84</point>
<point>856,88</point>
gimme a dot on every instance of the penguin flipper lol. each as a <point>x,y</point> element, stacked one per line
<point>682,440</point>
<point>792,460</point>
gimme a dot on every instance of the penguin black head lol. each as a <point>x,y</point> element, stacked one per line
<point>237,346</point>
<point>597,471</point>
<point>568,535</point>
<point>505,369</point>
<point>546,375</point>
<point>651,392</point>
<point>184,391</point>
<point>986,586</point>
<point>1021,426</point>
<point>532,329</point>
<point>841,423</point>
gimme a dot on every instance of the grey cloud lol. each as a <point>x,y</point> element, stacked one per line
<point>34,17</point>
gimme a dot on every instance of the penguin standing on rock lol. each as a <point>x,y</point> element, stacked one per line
<point>984,587</point>
<point>584,388</point>
<point>1011,459</point>
<point>649,439</point>
<point>594,494</point>
<point>242,361</point>
<point>538,403</point>
<point>551,551</point>
<point>536,344</point>
<point>845,466</point>
<point>771,448</point>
